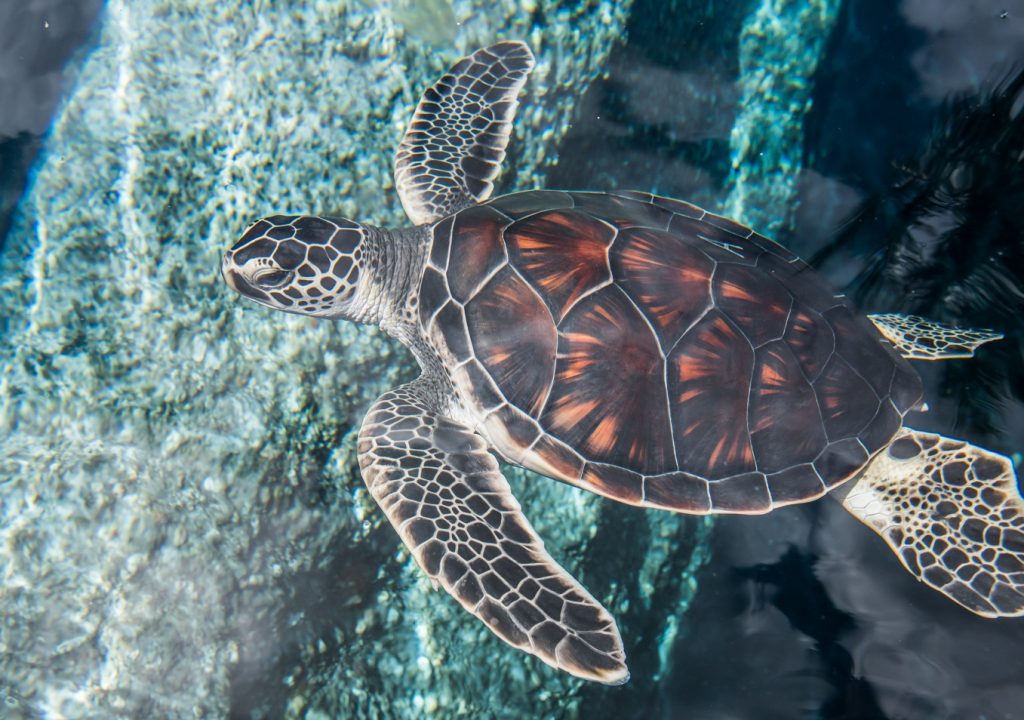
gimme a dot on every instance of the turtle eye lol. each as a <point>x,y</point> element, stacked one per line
<point>271,277</point>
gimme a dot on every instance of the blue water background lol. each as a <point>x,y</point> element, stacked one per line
<point>803,613</point>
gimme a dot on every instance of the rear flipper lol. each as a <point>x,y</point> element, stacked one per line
<point>953,514</point>
<point>916,338</point>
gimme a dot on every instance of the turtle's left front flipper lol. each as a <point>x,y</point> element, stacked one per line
<point>917,338</point>
<point>953,514</point>
<point>446,497</point>
<point>454,146</point>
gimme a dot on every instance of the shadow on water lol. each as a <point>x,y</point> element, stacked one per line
<point>37,40</point>
<point>792,587</point>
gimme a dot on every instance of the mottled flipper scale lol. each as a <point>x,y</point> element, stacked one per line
<point>953,514</point>
<point>454,146</point>
<point>917,338</point>
<point>444,494</point>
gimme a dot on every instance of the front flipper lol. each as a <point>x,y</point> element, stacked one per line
<point>916,338</point>
<point>444,493</point>
<point>953,514</point>
<point>454,146</point>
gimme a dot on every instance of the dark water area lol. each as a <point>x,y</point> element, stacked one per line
<point>804,613</point>
<point>908,147</point>
<point>37,39</point>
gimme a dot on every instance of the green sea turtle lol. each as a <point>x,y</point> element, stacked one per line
<point>631,345</point>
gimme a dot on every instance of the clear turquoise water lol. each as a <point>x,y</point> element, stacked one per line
<point>799,614</point>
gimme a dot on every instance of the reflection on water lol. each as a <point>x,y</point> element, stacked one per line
<point>183,527</point>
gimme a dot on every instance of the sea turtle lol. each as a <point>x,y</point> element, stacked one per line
<point>628,344</point>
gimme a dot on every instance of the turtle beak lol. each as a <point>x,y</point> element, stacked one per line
<point>236,281</point>
<point>229,272</point>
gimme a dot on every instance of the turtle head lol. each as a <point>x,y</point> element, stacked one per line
<point>299,264</point>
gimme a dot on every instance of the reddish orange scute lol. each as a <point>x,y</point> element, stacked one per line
<point>564,253</point>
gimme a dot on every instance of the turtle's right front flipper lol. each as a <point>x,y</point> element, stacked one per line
<point>446,497</point>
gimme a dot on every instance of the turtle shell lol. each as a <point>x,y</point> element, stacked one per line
<point>657,354</point>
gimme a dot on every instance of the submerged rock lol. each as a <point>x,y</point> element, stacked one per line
<point>183,528</point>
<point>779,49</point>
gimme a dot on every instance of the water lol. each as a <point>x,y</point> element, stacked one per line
<point>184,530</point>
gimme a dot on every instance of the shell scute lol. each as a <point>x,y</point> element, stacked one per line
<point>614,482</point>
<point>514,338</point>
<point>840,461</point>
<point>667,278</point>
<point>680,491</point>
<point>756,302</point>
<point>781,399</point>
<point>622,211</point>
<point>746,493</point>
<point>719,244</point>
<point>519,205</point>
<point>608,399</point>
<point>796,483</point>
<point>846,400</point>
<point>881,428</point>
<point>442,243</point>
<point>433,294</point>
<point>810,338</point>
<point>476,250</point>
<point>873,360</point>
<point>450,323</point>
<point>708,386</point>
<point>563,253</point>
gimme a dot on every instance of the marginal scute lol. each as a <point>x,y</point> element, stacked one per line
<point>882,427</point>
<point>622,212</point>
<point>433,294</point>
<point>451,325</point>
<point>840,461</point>
<point>521,204</point>
<point>746,493</point>
<point>679,207</point>
<point>477,387</point>
<point>614,482</point>
<point>906,390</point>
<point>729,225</point>
<point>720,245</point>
<point>795,484</point>
<point>855,342</point>
<point>802,281</point>
<point>679,491</point>
<point>442,239</point>
<point>554,458</point>
<point>512,431</point>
